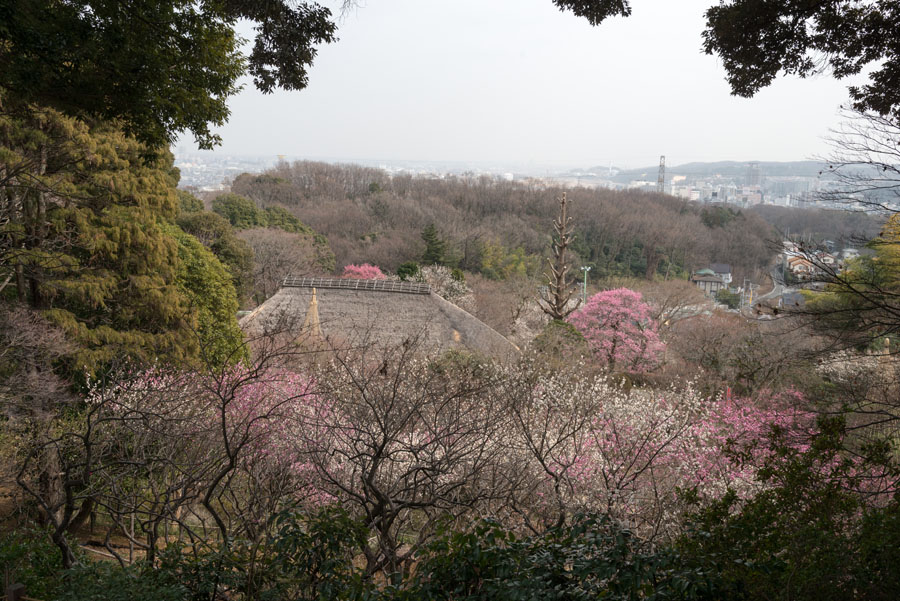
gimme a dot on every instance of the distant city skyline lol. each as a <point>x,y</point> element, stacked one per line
<point>519,82</point>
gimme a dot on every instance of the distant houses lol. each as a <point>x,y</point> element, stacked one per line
<point>808,264</point>
<point>723,271</point>
<point>709,281</point>
<point>849,253</point>
<point>800,267</point>
<point>715,282</point>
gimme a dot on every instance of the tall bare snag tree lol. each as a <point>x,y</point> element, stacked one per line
<point>560,288</point>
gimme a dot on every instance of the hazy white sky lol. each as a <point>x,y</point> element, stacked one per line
<point>518,81</point>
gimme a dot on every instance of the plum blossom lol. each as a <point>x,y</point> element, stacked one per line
<point>363,272</point>
<point>620,330</point>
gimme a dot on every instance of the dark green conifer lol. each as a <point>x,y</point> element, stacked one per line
<point>87,236</point>
<point>435,246</point>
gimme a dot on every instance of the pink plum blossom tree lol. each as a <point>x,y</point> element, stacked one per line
<point>158,447</point>
<point>363,272</point>
<point>583,444</point>
<point>620,330</point>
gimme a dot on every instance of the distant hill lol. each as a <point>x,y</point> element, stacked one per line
<point>734,169</point>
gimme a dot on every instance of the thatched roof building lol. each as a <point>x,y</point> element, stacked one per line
<point>383,313</point>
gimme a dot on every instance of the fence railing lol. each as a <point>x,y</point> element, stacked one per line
<point>350,284</point>
<point>16,592</point>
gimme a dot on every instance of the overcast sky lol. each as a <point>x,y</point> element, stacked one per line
<point>518,81</point>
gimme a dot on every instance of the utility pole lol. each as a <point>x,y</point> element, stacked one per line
<point>784,258</point>
<point>585,269</point>
<point>746,299</point>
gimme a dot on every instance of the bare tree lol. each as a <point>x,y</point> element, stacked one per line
<point>149,449</point>
<point>583,443</point>
<point>859,301</point>
<point>558,303</point>
<point>32,395</point>
<point>277,254</point>
<point>407,444</point>
<point>865,163</point>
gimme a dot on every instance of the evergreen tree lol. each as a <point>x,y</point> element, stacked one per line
<point>241,212</point>
<point>216,234</point>
<point>435,246</point>
<point>206,284</point>
<point>159,67</point>
<point>408,271</point>
<point>188,203</point>
<point>86,237</point>
<point>282,219</point>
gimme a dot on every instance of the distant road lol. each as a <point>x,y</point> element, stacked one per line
<point>778,289</point>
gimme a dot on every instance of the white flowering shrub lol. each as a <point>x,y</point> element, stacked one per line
<point>443,284</point>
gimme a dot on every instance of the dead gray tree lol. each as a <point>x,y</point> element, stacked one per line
<point>557,302</point>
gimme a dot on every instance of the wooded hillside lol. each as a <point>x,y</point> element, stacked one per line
<point>497,228</point>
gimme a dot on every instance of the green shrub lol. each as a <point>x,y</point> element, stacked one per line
<point>408,271</point>
<point>592,559</point>
<point>806,536</point>
<point>732,300</point>
<point>28,557</point>
<point>105,581</point>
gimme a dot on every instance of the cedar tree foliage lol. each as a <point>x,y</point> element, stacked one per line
<point>88,237</point>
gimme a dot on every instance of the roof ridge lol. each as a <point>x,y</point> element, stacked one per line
<point>357,284</point>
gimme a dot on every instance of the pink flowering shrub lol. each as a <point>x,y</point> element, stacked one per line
<point>363,272</point>
<point>620,330</point>
<point>593,447</point>
<point>734,439</point>
<point>257,422</point>
<point>393,437</point>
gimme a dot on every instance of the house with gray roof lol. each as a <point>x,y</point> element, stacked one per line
<point>380,313</point>
<point>708,281</point>
<point>722,270</point>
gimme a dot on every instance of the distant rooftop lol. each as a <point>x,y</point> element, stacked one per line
<point>353,284</point>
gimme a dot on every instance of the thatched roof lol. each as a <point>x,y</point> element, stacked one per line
<point>380,312</point>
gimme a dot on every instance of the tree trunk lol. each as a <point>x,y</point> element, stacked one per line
<point>653,259</point>
<point>59,539</point>
<point>84,513</point>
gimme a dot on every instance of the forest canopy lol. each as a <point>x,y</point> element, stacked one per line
<point>161,68</point>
